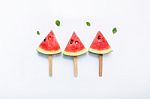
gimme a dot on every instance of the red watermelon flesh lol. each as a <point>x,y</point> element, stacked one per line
<point>74,47</point>
<point>49,45</point>
<point>100,44</point>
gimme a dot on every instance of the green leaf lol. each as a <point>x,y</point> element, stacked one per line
<point>57,22</point>
<point>38,33</point>
<point>88,23</point>
<point>114,30</point>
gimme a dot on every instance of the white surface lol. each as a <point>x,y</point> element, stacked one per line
<point>24,73</point>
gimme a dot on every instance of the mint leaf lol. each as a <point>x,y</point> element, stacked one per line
<point>57,22</point>
<point>114,30</point>
<point>38,33</point>
<point>88,23</point>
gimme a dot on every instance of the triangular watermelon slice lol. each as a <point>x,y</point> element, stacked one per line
<point>49,45</point>
<point>100,45</point>
<point>74,46</point>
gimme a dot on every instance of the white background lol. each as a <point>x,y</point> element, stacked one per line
<point>24,73</point>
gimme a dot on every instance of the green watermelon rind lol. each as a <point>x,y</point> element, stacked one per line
<point>106,51</point>
<point>40,50</point>
<point>75,53</point>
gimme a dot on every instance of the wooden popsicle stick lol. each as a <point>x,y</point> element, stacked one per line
<point>100,65</point>
<point>50,64</point>
<point>75,66</point>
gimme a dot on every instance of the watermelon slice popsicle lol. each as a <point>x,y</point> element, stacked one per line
<point>75,48</point>
<point>100,46</point>
<point>49,46</point>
